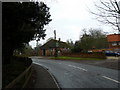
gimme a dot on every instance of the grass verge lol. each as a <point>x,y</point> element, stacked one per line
<point>73,58</point>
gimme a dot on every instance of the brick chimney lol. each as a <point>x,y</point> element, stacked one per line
<point>59,39</point>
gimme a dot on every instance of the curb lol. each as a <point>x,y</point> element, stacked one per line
<point>26,82</point>
<point>113,58</point>
<point>53,77</point>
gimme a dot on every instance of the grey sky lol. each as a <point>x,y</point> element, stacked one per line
<point>69,17</point>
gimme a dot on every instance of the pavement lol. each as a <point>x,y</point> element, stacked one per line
<point>41,78</point>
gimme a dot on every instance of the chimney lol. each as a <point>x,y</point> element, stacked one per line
<point>59,39</point>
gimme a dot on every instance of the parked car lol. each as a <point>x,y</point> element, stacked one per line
<point>111,53</point>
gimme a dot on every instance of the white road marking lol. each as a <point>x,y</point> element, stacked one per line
<point>111,79</point>
<point>37,63</point>
<point>85,70</point>
<point>78,67</point>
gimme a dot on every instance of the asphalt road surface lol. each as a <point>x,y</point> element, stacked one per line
<point>76,75</point>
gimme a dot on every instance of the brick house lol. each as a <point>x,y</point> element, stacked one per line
<point>114,44</point>
<point>48,49</point>
<point>114,41</point>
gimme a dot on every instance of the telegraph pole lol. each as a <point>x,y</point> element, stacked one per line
<point>55,34</point>
<point>56,53</point>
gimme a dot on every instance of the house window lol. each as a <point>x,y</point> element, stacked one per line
<point>119,43</point>
<point>114,44</point>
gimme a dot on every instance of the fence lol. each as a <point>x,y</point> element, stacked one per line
<point>22,80</point>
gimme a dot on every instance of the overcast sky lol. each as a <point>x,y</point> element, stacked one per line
<point>69,17</point>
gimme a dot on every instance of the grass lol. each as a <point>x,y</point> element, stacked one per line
<point>73,58</point>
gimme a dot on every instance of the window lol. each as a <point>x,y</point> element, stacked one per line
<point>118,43</point>
<point>114,44</point>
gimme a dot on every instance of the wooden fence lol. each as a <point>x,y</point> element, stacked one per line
<point>22,80</point>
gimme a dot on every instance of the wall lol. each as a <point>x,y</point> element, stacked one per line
<point>86,55</point>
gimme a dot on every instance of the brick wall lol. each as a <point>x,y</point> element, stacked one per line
<point>86,55</point>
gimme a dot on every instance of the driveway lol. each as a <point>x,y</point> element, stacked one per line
<point>78,75</point>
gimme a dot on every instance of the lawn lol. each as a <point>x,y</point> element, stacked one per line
<point>73,58</point>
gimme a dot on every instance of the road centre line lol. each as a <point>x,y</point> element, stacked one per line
<point>78,67</point>
<point>111,79</point>
<point>102,76</point>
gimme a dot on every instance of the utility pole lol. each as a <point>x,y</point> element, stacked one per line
<point>55,34</point>
<point>56,52</point>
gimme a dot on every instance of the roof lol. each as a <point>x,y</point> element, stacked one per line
<point>52,44</point>
<point>113,37</point>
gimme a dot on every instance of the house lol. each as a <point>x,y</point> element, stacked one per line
<point>48,49</point>
<point>114,40</point>
<point>114,43</point>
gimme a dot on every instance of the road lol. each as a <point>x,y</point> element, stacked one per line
<point>76,75</point>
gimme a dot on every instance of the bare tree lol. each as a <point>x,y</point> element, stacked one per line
<point>108,12</point>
